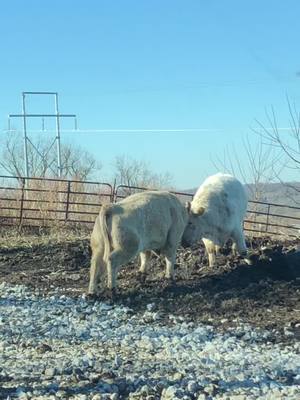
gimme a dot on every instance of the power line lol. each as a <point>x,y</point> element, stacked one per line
<point>180,130</point>
<point>184,130</point>
<point>142,130</point>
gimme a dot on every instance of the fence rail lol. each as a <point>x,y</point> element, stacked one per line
<point>42,201</point>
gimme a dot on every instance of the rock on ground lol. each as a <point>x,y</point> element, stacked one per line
<point>55,346</point>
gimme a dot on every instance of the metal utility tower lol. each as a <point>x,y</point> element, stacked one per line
<point>27,140</point>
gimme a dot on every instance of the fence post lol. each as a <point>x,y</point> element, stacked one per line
<point>116,193</point>
<point>68,199</point>
<point>22,201</point>
<point>267,222</point>
<point>113,193</point>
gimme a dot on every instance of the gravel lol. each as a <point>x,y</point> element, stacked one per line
<point>57,347</point>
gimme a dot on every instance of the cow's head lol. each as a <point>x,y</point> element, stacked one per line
<point>192,232</point>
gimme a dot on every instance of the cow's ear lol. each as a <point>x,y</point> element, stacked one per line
<point>200,211</point>
<point>188,206</point>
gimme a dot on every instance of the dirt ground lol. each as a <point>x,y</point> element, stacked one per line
<point>265,294</point>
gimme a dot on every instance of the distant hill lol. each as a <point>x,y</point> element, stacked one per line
<point>281,193</point>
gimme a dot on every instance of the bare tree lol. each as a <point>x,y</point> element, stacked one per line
<point>254,170</point>
<point>11,156</point>
<point>76,162</point>
<point>285,141</point>
<point>131,172</point>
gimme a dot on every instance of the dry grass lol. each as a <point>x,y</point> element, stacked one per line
<point>27,237</point>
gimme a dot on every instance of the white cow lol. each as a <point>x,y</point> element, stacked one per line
<point>151,220</point>
<point>216,214</point>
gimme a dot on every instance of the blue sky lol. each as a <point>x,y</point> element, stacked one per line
<point>214,65</point>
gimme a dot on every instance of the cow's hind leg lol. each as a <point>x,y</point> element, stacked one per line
<point>116,259</point>
<point>169,251</point>
<point>96,269</point>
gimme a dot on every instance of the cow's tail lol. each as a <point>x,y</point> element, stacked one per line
<point>104,213</point>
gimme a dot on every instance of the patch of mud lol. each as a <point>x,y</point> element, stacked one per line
<point>265,294</point>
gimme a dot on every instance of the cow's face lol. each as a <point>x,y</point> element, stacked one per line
<point>192,232</point>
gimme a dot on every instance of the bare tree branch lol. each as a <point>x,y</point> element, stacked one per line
<point>76,162</point>
<point>131,172</point>
<point>257,168</point>
<point>288,146</point>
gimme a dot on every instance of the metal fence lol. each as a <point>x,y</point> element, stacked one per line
<point>272,219</point>
<point>123,191</point>
<point>45,201</point>
<point>37,201</point>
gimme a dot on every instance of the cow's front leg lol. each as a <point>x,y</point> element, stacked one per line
<point>170,261</point>
<point>234,249</point>
<point>239,242</point>
<point>145,258</point>
<point>211,251</point>
<point>211,258</point>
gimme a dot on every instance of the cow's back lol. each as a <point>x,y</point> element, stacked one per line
<point>221,190</point>
<point>224,199</point>
<point>148,216</point>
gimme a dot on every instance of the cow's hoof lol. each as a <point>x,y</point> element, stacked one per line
<point>91,296</point>
<point>94,296</point>
<point>251,258</point>
<point>170,281</point>
<point>110,294</point>
<point>142,277</point>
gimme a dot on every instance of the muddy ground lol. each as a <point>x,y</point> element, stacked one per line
<point>265,294</point>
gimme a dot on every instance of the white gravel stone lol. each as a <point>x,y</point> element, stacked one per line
<point>49,373</point>
<point>51,343</point>
<point>97,397</point>
<point>192,387</point>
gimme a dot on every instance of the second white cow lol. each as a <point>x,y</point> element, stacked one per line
<point>216,214</point>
